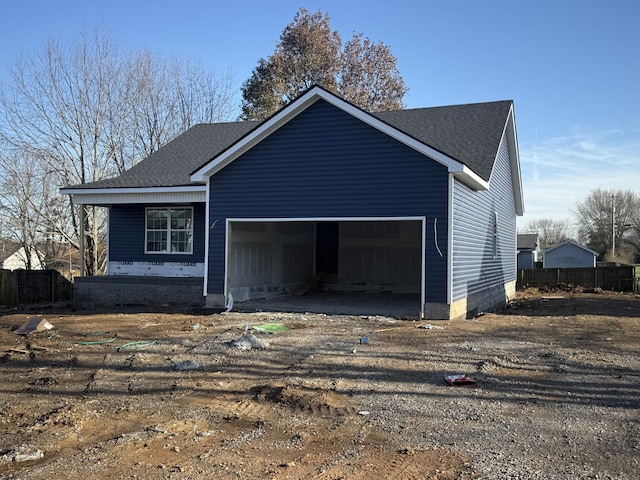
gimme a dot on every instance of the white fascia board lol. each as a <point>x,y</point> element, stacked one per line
<point>470,178</point>
<point>510,136</point>
<point>108,196</point>
<point>514,156</point>
<point>301,104</point>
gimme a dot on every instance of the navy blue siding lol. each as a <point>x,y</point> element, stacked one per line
<point>326,163</point>
<point>126,235</point>
<point>474,266</point>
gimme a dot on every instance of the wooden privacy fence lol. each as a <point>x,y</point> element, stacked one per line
<point>22,287</point>
<point>618,278</point>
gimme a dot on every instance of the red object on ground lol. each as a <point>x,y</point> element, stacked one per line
<point>459,380</point>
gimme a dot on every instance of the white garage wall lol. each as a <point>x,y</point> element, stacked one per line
<point>382,255</point>
<point>267,259</point>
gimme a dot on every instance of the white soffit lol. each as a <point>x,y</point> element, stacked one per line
<point>470,178</point>
<point>132,195</point>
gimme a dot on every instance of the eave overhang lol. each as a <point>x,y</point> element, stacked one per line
<point>151,195</point>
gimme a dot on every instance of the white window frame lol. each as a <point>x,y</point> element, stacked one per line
<point>168,230</point>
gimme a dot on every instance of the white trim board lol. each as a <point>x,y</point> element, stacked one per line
<point>133,195</point>
<point>207,232</point>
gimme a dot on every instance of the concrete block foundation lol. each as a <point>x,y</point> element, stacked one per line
<point>489,300</point>
<point>122,291</point>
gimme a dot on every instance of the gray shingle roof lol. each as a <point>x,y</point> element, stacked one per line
<point>468,133</point>
<point>172,164</point>
<point>527,241</point>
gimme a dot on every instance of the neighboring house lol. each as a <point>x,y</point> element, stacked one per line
<point>569,254</point>
<point>66,261</point>
<point>528,250</point>
<point>420,201</point>
<point>16,259</point>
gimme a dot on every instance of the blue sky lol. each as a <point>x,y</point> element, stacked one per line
<point>572,67</point>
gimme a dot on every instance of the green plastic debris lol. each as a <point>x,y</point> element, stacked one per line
<point>142,343</point>
<point>270,328</point>
<point>97,342</point>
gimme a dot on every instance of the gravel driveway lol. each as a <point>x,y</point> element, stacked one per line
<point>157,395</point>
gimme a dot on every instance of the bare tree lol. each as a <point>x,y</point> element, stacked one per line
<point>87,110</point>
<point>369,77</point>
<point>607,218</point>
<point>23,195</point>
<point>168,97</point>
<point>550,232</point>
<point>57,109</point>
<point>310,53</point>
<point>633,239</point>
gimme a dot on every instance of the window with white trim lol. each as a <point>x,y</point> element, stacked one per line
<point>169,230</point>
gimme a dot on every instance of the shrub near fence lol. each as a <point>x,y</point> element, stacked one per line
<point>619,278</point>
<point>21,287</point>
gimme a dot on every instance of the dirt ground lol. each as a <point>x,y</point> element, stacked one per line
<point>158,395</point>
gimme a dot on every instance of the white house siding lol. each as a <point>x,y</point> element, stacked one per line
<point>479,277</point>
<point>18,261</point>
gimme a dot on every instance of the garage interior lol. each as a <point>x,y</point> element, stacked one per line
<point>369,267</point>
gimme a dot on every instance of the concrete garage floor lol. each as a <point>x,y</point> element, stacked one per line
<point>405,306</point>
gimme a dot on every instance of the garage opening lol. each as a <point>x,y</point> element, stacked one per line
<point>368,266</point>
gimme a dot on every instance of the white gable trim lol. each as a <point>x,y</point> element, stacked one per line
<point>110,196</point>
<point>460,170</point>
<point>575,244</point>
<point>514,158</point>
<point>509,136</point>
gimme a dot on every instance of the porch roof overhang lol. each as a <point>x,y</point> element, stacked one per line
<point>147,195</point>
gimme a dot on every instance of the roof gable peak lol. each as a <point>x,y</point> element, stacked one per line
<point>307,99</point>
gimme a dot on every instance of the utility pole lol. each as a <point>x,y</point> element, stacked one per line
<point>613,227</point>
